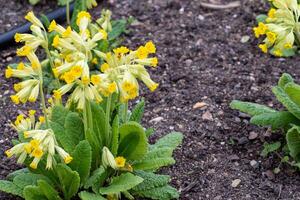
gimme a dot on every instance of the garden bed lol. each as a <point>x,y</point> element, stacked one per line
<point>202,60</point>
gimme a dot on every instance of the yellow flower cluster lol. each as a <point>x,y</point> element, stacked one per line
<point>41,143</point>
<point>280,27</point>
<point>118,163</point>
<point>29,122</point>
<point>120,71</point>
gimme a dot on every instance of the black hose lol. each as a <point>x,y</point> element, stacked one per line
<point>8,37</point>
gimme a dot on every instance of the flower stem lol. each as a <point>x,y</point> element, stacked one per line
<point>125,111</point>
<point>68,12</point>
<point>107,119</point>
<point>43,101</point>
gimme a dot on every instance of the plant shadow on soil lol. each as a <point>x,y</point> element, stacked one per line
<point>201,60</point>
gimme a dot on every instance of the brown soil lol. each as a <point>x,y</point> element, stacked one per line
<point>202,59</point>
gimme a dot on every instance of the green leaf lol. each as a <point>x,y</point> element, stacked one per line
<point>133,142</point>
<point>261,18</point>
<point>285,79</point>
<point>48,190</point>
<point>153,164</point>
<point>160,193</point>
<point>149,132</point>
<point>115,136</point>
<point>12,175</point>
<point>151,180</point>
<point>250,108</point>
<point>293,91</point>
<point>276,120</point>
<point>33,2</point>
<point>269,148</point>
<point>33,193</point>
<point>96,179</point>
<point>138,111</point>
<point>11,188</point>
<point>69,180</point>
<point>98,121</point>
<point>286,101</point>
<point>23,180</point>
<point>63,2</point>
<point>73,131</point>
<point>90,196</point>
<point>82,159</point>
<point>171,140</point>
<point>293,142</point>
<point>121,183</point>
<point>118,27</point>
<point>59,114</point>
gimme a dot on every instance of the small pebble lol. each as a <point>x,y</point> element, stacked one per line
<point>254,164</point>
<point>252,135</point>
<point>235,183</point>
<point>207,116</point>
<point>156,119</point>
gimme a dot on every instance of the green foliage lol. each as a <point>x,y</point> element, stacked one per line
<point>90,196</point>
<point>132,133</point>
<point>261,18</point>
<point>69,180</point>
<point>251,109</point>
<point>121,183</point>
<point>43,190</point>
<point>151,180</point>
<point>160,193</point>
<point>138,111</point>
<point>160,153</point>
<point>270,148</point>
<point>293,142</point>
<point>115,136</point>
<point>11,188</point>
<point>82,160</point>
<point>287,92</point>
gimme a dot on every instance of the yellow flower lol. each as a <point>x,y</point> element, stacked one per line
<point>104,33</point>
<point>37,152</point>
<point>24,51</point>
<point>256,32</point>
<point>150,47</point>
<point>95,61</point>
<point>277,52</point>
<point>142,52</point>
<point>271,36</point>
<point>288,46</point>
<point>120,161</point>
<point>31,112</point>
<point>112,87</point>
<point>262,28</point>
<point>121,50</point>
<point>15,99</point>
<point>57,94</point>
<point>68,159</point>
<point>85,80</point>
<point>104,67</point>
<point>52,26</point>
<point>28,147</point>
<point>42,119</point>
<point>8,153</point>
<point>154,62</point>
<point>18,37</point>
<point>95,79</point>
<point>32,18</point>
<point>263,48</point>
<point>56,41</point>
<point>271,13</point>
<point>81,15</point>
<point>20,66</point>
<point>35,143</point>
<point>68,32</point>
<point>8,72</point>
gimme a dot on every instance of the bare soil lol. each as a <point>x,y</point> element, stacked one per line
<point>202,59</point>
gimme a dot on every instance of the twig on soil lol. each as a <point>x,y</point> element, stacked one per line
<point>4,167</point>
<point>233,4</point>
<point>279,194</point>
<point>189,187</point>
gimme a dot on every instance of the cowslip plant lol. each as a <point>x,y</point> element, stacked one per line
<point>87,144</point>
<point>280,28</point>
<point>287,92</point>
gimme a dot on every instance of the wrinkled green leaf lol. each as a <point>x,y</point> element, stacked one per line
<point>90,196</point>
<point>69,180</point>
<point>133,142</point>
<point>160,193</point>
<point>285,79</point>
<point>121,183</point>
<point>251,109</point>
<point>82,159</point>
<point>11,188</point>
<point>138,111</point>
<point>151,180</point>
<point>293,142</point>
<point>269,148</point>
<point>276,120</point>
